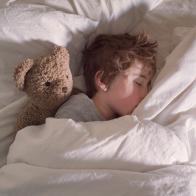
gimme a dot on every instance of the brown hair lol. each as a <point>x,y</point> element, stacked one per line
<point>111,54</point>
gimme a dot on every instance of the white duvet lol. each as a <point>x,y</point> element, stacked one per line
<point>149,153</point>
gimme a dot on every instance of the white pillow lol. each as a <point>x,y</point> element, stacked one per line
<point>178,35</point>
<point>94,9</point>
<point>175,85</point>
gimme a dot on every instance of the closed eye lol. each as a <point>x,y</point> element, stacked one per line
<point>138,83</point>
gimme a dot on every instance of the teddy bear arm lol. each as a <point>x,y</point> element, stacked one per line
<point>32,115</point>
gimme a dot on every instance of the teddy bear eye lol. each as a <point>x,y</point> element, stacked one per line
<point>47,83</point>
<point>67,76</point>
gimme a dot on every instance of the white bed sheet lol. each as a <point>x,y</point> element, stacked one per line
<point>165,23</point>
<point>28,28</point>
<point>148,158</point>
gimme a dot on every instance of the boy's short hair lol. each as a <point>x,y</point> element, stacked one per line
<point>111,54</point>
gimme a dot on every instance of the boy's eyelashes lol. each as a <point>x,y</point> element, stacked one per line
<point>139,83</point>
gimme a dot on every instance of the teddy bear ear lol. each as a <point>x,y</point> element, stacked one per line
<point>21,71</point>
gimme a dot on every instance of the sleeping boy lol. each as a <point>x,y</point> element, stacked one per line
<point>118,70</point>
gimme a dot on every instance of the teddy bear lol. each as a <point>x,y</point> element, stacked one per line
<point>48,83</point>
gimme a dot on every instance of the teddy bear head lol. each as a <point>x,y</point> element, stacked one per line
<point>46,80</point>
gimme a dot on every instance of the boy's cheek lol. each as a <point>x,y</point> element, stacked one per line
<point>137,99</point>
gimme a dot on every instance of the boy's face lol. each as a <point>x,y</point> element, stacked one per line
<point>127,89</point>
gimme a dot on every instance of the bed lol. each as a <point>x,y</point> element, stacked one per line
<point>149,153</point>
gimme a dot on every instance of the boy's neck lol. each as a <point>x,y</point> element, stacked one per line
<point>103,107</point>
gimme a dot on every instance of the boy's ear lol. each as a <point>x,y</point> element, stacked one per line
<point>98,81</point>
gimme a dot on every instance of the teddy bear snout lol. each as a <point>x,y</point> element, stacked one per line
<point>64,89</point>
<point>61,86</point>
